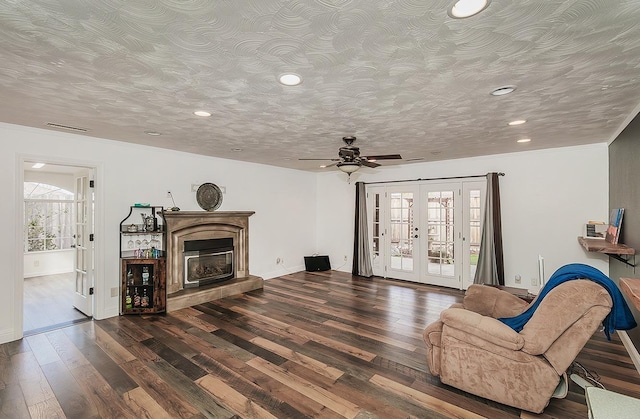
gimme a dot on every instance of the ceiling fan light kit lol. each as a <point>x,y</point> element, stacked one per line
<point>351,161</point>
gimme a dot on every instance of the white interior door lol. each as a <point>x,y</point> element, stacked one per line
<point>83,260</point>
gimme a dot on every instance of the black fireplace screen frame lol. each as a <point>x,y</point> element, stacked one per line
<point>204,248</point>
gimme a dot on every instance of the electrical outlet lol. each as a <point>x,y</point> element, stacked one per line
<point>345,258</point>
<point>534,282</point>
<point>518,279</point>
<point>114,291</point>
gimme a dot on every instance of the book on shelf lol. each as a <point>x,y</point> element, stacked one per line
<point>615,223</point>
<point>596,230</point>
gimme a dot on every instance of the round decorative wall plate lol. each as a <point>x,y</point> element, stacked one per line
<point>209,197</point>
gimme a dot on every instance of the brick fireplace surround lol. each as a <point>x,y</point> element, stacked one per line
<point>200,225</point>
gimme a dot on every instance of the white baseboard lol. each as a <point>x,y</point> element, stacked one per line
<point>7,335</point>
<point>630,347</point>
<point>284,270</point>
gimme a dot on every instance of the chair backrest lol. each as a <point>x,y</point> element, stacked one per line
<point>565,320</point>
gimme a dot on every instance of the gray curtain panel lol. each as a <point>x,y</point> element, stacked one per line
<point>361,251</point>
<point>490,269</point>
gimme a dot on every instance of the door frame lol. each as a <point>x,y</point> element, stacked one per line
<point>97,168</point>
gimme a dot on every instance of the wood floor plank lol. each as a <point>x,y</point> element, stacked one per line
<point>427,401</point>
<point>143,405</point>
<point>42,349</point>
<point>100,394</point>
<point>328,399</point>
<point>71,397</point>
<point>305,361</point>
<point>46,409</point>
<point>166,396</point>
<point>111,347</point>
<point>232,399</point>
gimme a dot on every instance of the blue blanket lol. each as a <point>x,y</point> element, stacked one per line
<point>620,317</point>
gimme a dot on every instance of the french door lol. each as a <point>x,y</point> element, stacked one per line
<point>426,232</point>
<point>84,257</point>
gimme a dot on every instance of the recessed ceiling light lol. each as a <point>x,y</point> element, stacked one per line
<point>202,113</point>
<point>153,133</point>
<point>290,79</point>
<point>322,166</point>
<point>524,140</point>
<point>504,90</point>
<point>466,8</point>
<point>37,166</point>
<point>517,122</point>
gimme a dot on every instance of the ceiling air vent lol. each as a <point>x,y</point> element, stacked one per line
<point>67,127</point>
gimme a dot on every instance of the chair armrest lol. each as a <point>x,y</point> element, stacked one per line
<point>491,301</point>
<point>483,327</point>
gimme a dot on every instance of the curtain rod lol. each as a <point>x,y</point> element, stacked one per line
<point>433,178</point>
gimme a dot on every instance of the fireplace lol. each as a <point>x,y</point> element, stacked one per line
<point>216,244</point>
<point>207,261</point>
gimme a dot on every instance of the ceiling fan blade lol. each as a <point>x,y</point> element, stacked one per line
<point>322,159</point>
<point>369,163</point>
<point>385,157</point>
<point>332,164</point>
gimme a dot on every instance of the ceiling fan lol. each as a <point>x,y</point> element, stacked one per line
<point>350,159</point>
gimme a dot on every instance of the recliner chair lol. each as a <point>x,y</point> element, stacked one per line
<point>473,351</point>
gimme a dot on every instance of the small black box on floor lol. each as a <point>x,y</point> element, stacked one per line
<point>317,263</point>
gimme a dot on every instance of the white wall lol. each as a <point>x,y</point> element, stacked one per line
<point>284,202</point>
<point>48,263</point>
<point>546,197</point>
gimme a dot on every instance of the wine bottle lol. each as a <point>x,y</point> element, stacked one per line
<point>136,298</point>
<point>145,298</point>
<point>128,303</point>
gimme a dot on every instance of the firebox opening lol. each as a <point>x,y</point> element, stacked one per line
<point>207,261</point>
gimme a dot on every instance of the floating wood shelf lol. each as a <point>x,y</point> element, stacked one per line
<point>616,251</point>
<point>631,288</point>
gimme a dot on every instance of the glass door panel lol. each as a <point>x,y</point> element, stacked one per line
<point>441,210</point>
<point>376,211</point>
<point>403,233</point>
<point>474,194</point>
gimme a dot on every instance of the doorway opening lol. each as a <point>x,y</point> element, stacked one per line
<point>58,257</point>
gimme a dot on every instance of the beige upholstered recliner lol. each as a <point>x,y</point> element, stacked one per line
<point>469,349</point>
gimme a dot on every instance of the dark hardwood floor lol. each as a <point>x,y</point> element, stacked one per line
<point>309,345</point>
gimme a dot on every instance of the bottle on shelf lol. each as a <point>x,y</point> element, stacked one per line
<point>128,302</point>
<point>137,300</point>
<point>145,275</point>
<point>145,299</point>
<point>129,277</point>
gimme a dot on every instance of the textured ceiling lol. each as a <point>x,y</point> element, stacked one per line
<point>402,76</point>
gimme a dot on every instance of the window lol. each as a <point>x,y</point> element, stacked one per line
<point>47,214</point>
